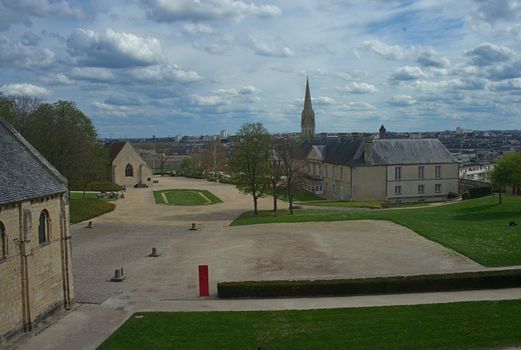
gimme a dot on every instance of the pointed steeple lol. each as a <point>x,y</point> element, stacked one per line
<point>307,99</point>
<point>307,121</point>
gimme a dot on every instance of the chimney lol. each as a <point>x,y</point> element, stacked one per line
<point>368,150</point>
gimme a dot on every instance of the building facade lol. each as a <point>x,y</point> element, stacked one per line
<point>393,170</point>
<point>127,166</point>
<point>35,248</point>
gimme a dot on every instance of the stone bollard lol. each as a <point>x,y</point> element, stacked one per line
<point>89,225</point>
<point>118,275</point>
<point>194,227</point>
<point>154,253</point>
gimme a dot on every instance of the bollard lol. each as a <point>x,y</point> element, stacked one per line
<point>118,275</point>
<point>194,227</point>
<point>89,225</point>
<point>154,253</point>
<point>203,281</point>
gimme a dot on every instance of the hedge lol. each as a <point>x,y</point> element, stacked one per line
<point>368,286</point>
<point>476,192</point>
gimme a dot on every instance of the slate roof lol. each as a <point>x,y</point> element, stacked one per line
<point>24,173</point>
<point>114,148</point>
<point>411,151</point>
<point>384,152</point>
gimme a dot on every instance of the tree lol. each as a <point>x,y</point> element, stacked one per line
<point>250,161</point>
<point>62,134</point>
<point>275,175</point>
<point>291,166</point>
<point>213,157</point>
<point>507,172</point>
<point>163,158</point>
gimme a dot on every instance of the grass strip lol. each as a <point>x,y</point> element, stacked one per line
<point>82,209</point>
<point>185,197</point>
<point>469,325</point>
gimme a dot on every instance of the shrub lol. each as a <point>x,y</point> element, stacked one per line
<point>378,285</point>
<point>465,196</point>
<point>452,195</point>
<point>482,191</point>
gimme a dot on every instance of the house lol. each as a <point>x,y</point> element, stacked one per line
<point>394,170</point>
<point>35,246</point>
<point>127,166</point>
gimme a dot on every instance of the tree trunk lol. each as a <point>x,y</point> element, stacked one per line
<point>275,204</point>
<point>254,203</point>
<point>500,199</point>
<point>290,199</point>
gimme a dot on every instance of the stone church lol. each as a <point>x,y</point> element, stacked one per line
<point>127,166</point>
<point>35,246</point>
<point>307,118</point>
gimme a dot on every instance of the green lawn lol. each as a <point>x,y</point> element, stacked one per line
<point>87,208</point>
<point>186,197</point>
<point>476,228</point>
<point>468,325</point>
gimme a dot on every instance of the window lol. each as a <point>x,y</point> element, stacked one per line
<point>334,188</point>
<point>129,172</point>
<point>341,173</point>
<point>397,189</point>
<point>421,189</point>
<point>438,172</point>
<point>398,173</point>
<point>420,171</point>
<point>44,225</point>
<point>437,188</point>
<point>333,174</point>
<point>3,242</point>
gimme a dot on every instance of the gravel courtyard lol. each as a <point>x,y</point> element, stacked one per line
<point>126,236</point>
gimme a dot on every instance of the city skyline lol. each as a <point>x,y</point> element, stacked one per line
<point>153,67</point>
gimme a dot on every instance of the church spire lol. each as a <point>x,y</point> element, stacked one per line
<point>307,121</point>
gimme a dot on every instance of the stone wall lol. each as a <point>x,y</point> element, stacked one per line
<point>36,278</point>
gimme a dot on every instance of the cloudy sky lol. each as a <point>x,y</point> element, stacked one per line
<point>164,67</point>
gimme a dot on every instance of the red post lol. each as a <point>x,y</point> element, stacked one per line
<point>203,281</point>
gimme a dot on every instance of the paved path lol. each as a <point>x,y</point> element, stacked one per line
<point>124,238</point>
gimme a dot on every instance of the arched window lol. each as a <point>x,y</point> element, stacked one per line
<point>44,227</point>
<point>3,242</point>
<point>129,172</point>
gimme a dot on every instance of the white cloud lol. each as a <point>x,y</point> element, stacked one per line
<point>402,100</point>
<point>24,89</point>
<point>209,101</point>
<point>165,73</point>
<point>197,28</point>
<point>58,78</point>
<point>323,100</point>
<point>245,90</point>
<point>431,58</point>
<point>505,85</point>
<point>195,10</point>
<point>274,48</point>
<point>42,8</point>
<point>406,73</point>
<point>114,110</point>
<point>92,74</point>
<point>19,55</point>
<point>113,49</point>
<point>486,54</point>
<point>359,88</point>
<point>389,52</point>
<point>358,106</point>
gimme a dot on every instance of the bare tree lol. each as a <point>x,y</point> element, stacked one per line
<point>213,157</point>
<point>291,166</point>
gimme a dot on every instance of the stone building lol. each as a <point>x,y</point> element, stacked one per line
<point>394,170</point>
<point>35,248</point>
<point>307,118</point>
<point>127,166</point>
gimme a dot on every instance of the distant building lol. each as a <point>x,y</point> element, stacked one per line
<point>35,246</point>
<point>223,135</point>
<point>127,167</point>
<point>307,121</point>
<point>394,170</point>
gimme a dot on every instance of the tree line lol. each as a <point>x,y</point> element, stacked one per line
<point>259,164</point>
<point>62,133</point>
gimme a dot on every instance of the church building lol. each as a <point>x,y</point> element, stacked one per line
<point>127,166</point>
<point>35,246</point>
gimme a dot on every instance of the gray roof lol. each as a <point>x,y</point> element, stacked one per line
<point>24,173</point>
<point>384,152</point>
<point>410,151</point>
